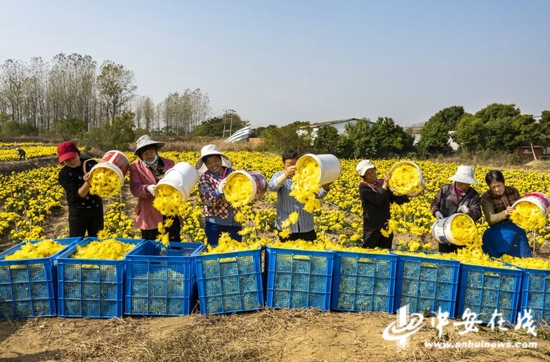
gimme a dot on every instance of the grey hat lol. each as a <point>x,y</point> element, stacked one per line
<point>210,150</point>
<point>145,141</point>
<point>464,174</point>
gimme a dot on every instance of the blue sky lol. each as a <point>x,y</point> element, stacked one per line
<point>275,62</point>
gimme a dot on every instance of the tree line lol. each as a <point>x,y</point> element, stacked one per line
<point>39,96</point>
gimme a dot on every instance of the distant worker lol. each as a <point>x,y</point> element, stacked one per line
<point>21,153</point>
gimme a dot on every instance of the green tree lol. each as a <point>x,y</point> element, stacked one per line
<point>390,139</point>
<point>116,87</point>
<point>434,136</point>
<point>214,127</point>
<point>500,135</point>
<point>326,140</point>
<point>14,128</point>
<point>470,133</point>
<point>296,135</point>
<point>68,128</point>
<point>497,111</point>
<point>359,139</point>
<point>115,136</point>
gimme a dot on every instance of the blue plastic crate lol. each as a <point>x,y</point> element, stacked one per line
<point>230,282</point>
<point>363,282</point>
<point>91,288</point>
<point>299,278</point>
<point>535,294</point>
<point>426,284</point>
<point>27,286</point>
<point>483,289</point>
<point>160,280</point>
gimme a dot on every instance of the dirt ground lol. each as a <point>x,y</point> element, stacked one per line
<point>267,335</point>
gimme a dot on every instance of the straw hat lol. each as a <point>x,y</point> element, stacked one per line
<point>363,166</point>
<point>464,174</point>
<point>145,141</point>
<point>210,150</point>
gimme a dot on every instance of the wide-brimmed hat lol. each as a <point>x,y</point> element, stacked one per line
<point>464,174</point>
<point>210,150</point>
<point>67,150</point>
<point>145,141</point>
<point>363,166</point>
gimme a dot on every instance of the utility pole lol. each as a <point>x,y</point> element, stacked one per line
<point>225,127</point>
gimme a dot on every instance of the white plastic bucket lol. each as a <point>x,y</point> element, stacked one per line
<point>539,199</point>
<point>115,161</point>
<point>422,181</point>
<point>441,230</point>
<point>182,177</point>
<point>329,165</point>
<point>257,180</point>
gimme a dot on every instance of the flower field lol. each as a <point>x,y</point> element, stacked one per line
<point>30,197</point>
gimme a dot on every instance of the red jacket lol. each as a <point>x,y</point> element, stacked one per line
<point>146,217</point>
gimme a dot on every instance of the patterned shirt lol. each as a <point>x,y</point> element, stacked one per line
<point>447,201</point>
<point>494,207</point>
<point>287,204</point>
<point>216,209</point>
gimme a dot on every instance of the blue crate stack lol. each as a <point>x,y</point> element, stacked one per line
<point>91,288</point>
<point>230,282</point>
<point>484,289</point>
<point>363,282</point>
<point>535,294</point>
<point>427,284</point>
<point>161,280</point>
<point>299,278</point>
<point>27,286</point>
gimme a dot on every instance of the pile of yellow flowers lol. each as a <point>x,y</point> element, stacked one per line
<point>110,249</point>
<point>238,190</point>
<point>464,231</point>
<point>104,182</point>
<point>42,249</point>
<point>445,256</point>
<point>228,245</point>
<point>305,185</point>
<point>406,179</point>
<point>477,257</point>
<point>527,263</point>
<point>168,201</point>
<point>528,216</point>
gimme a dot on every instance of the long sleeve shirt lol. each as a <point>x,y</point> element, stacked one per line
<point>287,204</point>
<point>215,207</point>
<point>376,203</point>
<point>71,179</point>
<point>494,208</point>
<point>447,201</point>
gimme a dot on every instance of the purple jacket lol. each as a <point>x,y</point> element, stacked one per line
<point>146,217</point>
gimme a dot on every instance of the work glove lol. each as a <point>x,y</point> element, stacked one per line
<point>463,209</point>
<point>152,189</point>
<point>438,215</point>
<point>221,186</point>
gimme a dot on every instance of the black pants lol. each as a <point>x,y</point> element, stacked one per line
<point>373,238</point>
<point>173,231</point>
<point>307,236</point>
<point>85,220</point>
<point>444,248</point>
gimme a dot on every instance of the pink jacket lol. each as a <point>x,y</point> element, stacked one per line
<point>146,217</point>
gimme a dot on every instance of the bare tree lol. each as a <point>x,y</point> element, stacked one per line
<point>116,88</point>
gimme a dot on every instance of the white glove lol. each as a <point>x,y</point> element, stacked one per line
<point>439,215</point>
<point>221,185</point>
<point>152,189</point>
<point>463,209</point>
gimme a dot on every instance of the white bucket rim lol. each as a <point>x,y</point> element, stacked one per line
<point>179,188</point>
<point>450,238</point>
<point>250,179</point>
<point>111,167</point>
<point>317,159</point>
<point>535,201</point>
<point>422,180</point>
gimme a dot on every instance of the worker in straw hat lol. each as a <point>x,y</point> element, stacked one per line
<point>145,173</point>
<point>376,198</point>
<point>219,215</point>
<point>457,197</point>
<point>85,209</point>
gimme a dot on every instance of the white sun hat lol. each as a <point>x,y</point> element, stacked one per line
<point>363,166</point>
<point>145,141</point>
<point>464,174</point>
<point>210,150</point>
